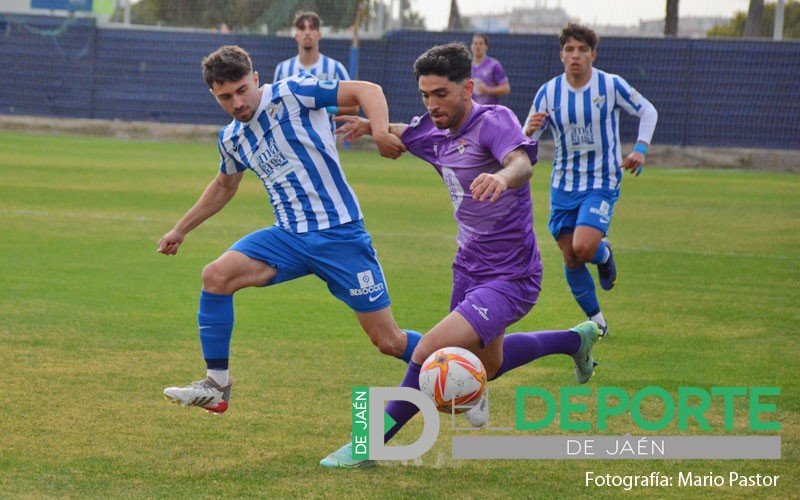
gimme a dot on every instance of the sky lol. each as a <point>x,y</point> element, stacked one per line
<point>593,12</point>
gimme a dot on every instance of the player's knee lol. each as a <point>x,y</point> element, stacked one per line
<point>215,280</point>
<point>584,251</point>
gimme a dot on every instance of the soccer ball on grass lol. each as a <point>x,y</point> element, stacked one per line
<point>453,378</point>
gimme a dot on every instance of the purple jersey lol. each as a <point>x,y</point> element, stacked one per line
<point>494,239</point>
<point>491,73</point>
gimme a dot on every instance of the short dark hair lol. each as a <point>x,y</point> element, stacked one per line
<point>229,63</point>
<point>580,33</point>
<point>302,16</point>
<point>452,60</point>
<point>482,35</point>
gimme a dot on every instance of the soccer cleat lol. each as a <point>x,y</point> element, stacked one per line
<point>584,363</point>
<point>343,457</point>
<point>206,394</point>
<point>478,415</point>
<point>603,329</point>
<point>607,272</point>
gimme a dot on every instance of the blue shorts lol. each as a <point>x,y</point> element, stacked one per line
<point>342,256</point>
<point>594,209</point>
<point>492,306</point>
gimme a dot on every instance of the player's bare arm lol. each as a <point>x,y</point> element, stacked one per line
<point>516,171</point>
<point>216,195</point>
<point>355,127</point>
<point>372,100</point>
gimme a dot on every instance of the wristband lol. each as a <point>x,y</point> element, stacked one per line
<point>332,109</point>
<point>640,148</point>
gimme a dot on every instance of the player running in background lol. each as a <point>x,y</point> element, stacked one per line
<point>490,79</point>
<point>582,108</point>
<point>310,60</point>
<point>281,133</point>
<point>485,161</point>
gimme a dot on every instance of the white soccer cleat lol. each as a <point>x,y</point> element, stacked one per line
<point>478,415</point>
<point>206,394</point>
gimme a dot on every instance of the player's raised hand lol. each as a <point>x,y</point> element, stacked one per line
<point>488,186</point>
<point>535,122</point>
<point>169,243</point>
<point>353,127</point>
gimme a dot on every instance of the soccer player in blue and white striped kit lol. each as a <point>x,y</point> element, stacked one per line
<point>280,132</point>
<point>310,60</point>
<point>582,108</point>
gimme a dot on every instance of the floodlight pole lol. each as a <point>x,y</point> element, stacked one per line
<point>777,31</point>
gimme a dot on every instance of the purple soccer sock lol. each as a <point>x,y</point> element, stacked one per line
<point>402,411</point>
<point>522,348</point>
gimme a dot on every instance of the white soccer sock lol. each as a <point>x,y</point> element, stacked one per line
<point>219,376</point>
<point>599,319</point>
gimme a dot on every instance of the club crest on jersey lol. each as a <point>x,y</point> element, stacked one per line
<point>275,110</point>
<point>461,146</point>
<point>599,101</point>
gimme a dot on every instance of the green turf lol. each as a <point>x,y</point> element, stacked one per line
<point>94,324</point>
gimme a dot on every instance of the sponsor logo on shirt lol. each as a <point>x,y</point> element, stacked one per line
<point>581,136</point>
<point>269,163</point>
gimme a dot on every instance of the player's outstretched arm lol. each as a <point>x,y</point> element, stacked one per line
<point>216,195</point>
<point>372,101</point>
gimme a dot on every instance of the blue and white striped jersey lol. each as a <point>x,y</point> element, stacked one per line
<point>289,144</point>
<point>585,126</point>
<point>326,68</point>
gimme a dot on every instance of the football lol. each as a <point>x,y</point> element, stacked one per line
<point>453,378</point>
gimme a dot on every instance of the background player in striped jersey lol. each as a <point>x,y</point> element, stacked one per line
<point>582,108</point>
<point>280,131</point>
<point>490,79</point>
<point>309,59</point>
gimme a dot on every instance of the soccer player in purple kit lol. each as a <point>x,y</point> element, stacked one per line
<point>490,79</point>
<point>485,161</point>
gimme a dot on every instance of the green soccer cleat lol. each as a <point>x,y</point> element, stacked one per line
<point>584,363</point>
<point>343,457</point>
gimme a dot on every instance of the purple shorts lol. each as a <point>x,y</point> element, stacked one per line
<point>491,306</point>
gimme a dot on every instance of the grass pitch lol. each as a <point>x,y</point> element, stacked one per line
<point>94,324</point>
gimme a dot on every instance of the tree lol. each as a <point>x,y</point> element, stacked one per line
<point>754,15</point>
<point>671,21</point>
<point>241,15</point>
<point>791,23</point>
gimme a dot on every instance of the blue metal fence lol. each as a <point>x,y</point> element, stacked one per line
<point>723,93</point>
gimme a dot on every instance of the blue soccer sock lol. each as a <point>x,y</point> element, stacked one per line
<point>582,285</point>
<point>413,340</point>
<point>215,320</point>
<point>402,411</point>
<point>521,348</point>
<point>602,253</point>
